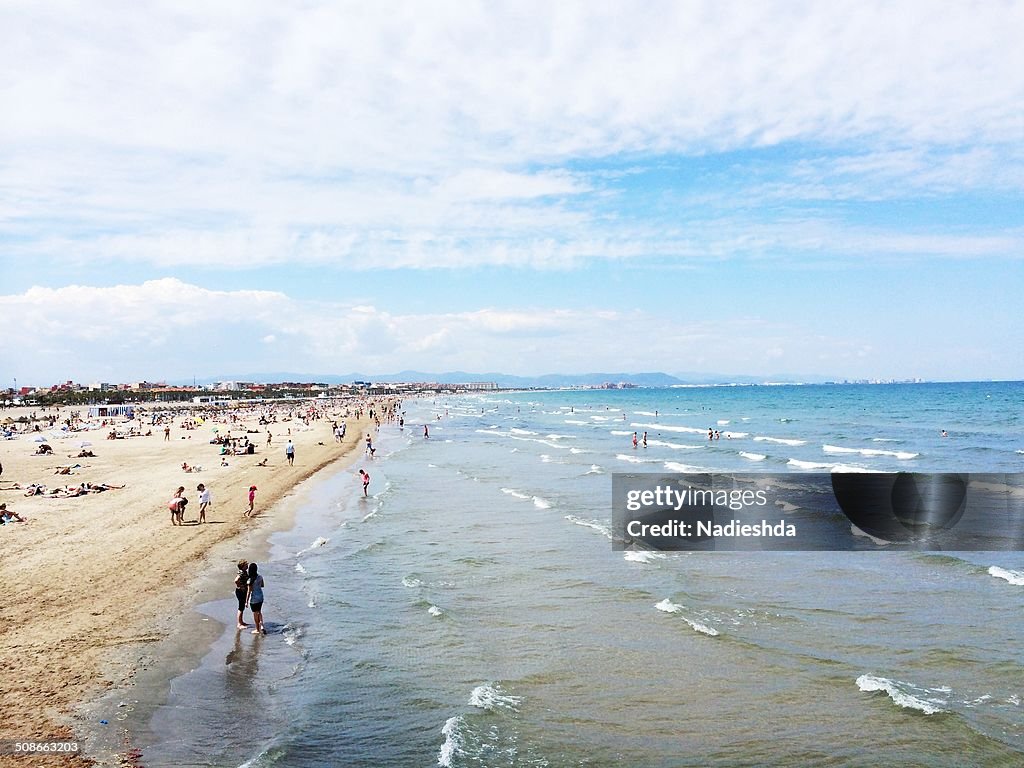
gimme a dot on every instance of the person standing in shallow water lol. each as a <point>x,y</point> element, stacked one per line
<point>242,590</point>
<point>256,599</point>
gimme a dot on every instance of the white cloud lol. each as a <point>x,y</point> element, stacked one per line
<point>168,329</point>
<point>175,133</point>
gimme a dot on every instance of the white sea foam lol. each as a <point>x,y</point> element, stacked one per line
<point>434,611</point>
<point>864,534</point>
<point>594,524</point>
<point>492,697</point>
<point>669,428</point>
<point>555,436</point>
<point>645,413</point>
<point>884,440</point>
<point>299,568</point>
<point>782,440</point>
<point>320,541</point>
<point>722,422</point>
<point>620,432</point>
<point>411,582</point>
<point>825,465</point>
<point>675,446</point>
<point>540,503</point>
<point>594,470</point>
<point>786,506</point>
<point>452,741</point>
<point>642,556</point>
<point>753,456</point>
<point>668,606</point>
<point>575,421</point>
<point>1014,577</point>
<point>675,466</point>
<point>579,450</point>
<point>902,455</point>
<point>896,691</point>
<point>704,628</point>
<point>516,431</point>
<point>633,459</point>
<point>735,435</point>
<point>517,494</point>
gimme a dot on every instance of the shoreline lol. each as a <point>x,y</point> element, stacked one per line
<point>128,706</point>
<point>98,582</point>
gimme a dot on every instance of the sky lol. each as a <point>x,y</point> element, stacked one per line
<point>807,189</point>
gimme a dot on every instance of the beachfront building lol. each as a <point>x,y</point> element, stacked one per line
<point>112,411</point>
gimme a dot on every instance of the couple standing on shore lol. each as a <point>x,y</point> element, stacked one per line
<point>249,590</point>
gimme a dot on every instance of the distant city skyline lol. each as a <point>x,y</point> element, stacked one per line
<point>189,189</point>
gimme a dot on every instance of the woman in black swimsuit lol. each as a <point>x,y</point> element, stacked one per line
<point>242,590</point>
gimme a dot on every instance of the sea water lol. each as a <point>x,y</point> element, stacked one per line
<point>471,611</point>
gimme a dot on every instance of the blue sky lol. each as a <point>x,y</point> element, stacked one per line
<point>819,189</point>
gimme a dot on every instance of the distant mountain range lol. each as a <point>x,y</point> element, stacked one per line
<point>509,381</point>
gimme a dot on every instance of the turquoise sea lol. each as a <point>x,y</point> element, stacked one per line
<point>472,611</point>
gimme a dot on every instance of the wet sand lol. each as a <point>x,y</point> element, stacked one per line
<point>90,583</point>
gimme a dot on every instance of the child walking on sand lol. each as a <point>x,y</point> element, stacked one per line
<point>252,500</point>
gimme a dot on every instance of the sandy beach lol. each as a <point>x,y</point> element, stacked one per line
<point>87,577</point>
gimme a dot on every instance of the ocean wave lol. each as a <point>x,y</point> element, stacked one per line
<point>675,466</point>
<point>577,422</point>
<point>722,422</point>
<point>670,428</point>
<point>299,568</point>
<point>780,440</point>
<point>594,470</point>
<point>643,556</point>
<point>452,745</point>
<point>635,459</point>
<point>645,413</point>
<point>411,582</point>
<point>753,456</point>
<point>492,697</point>
<point>902,455</point>
<point>541,503</point>
<point>579,450</point>
<point>515,493</point>
<point>898,692</point>
<point>668,606</point>
<point>435,611</point>
<point>320,541</point>
<point>825,465</point>
<point>594,524</point>
<point>1014,577</point>
<point>516,431</point>
<point>291,634</point>
<point>675,446</point>
<point>864,534</point>
<point>619,432</point>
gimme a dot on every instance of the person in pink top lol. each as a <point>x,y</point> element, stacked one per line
<point>252,501</point>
